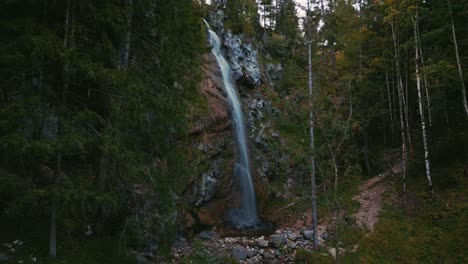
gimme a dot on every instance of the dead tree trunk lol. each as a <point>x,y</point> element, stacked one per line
<point>311,131</point>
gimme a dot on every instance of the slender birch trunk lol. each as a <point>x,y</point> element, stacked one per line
<point>404,92</point>
<point>424,75</point>
<point>401,108</point>
<point>421,108</point>
<point>394,97</point>
<point>311,128</point>
<point>460,70</point>
<point>406,106</point>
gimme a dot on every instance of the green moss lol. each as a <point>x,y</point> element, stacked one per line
<point>308,257</point>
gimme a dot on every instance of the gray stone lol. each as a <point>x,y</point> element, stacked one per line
<point>251,253</point>
<point>291,244</point>
<point>268,255</point>
<point>239,253</point>
<point>208,187</point>
<point>262,243</point>
<point>141,259</point>
<point>208,235</point>
<point>290,234</point>
<point>308,234</point>
<point>278,240</point>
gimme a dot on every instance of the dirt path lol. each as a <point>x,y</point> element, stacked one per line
<point>295,232</point>
<point>370,198</point>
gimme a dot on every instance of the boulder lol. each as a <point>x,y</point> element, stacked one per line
<point>278,240</point>
<point>208,235</point>
<point>239,253</point>
<point>308,234</point>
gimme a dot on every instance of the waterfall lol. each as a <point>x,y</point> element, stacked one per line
<point>246,215</point>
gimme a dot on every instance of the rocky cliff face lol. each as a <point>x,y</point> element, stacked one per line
<point>212,139</point>
<point>212,150</point>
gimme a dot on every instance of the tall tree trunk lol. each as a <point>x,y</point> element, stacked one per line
<point>445,104</point>
<point>53,233</point>
<point>58,169</point>
<point>406,104</point>
<point>460,70</point>
<point>60,132</point>
<point>421,108</point>
<point>384,120</point>
<point>390,107</point>
<point>311,131</point>
<point>401,108</point>
<point>128,35</point>
<point>426,83</point>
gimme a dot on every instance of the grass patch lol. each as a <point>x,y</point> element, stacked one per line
<point>421,229</point>
<point>316,257</point>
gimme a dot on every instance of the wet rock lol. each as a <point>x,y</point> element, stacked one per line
<point>217,19</point>
<point>244,60</point>
<point>207,188</point>
<point>239,253</point>
<point>208,235</point>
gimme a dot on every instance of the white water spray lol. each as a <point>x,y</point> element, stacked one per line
<point>246,215</point>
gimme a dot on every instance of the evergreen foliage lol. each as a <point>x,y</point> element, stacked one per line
<point>118,124</point>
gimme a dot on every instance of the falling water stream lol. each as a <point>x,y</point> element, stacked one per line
<point>244,216</point>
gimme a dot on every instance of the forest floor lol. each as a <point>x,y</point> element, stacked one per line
<point>380,225</point>
<point>293,235</point>
<point>386,227</point>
